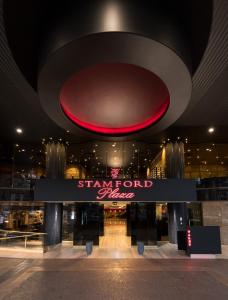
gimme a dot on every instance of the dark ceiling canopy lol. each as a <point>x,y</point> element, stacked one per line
<point>113,37</point>
<point>28,24</point>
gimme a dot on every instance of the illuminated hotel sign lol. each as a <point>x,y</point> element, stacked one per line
<point>166,190</point>
<point>112,189</point>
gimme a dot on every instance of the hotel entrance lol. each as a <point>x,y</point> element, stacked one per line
<point>120,224</point>
<point>115,226</point>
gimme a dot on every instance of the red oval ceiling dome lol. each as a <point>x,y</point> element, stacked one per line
<point>114,98</point>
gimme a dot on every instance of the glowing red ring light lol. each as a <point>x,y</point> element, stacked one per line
<point>118,131</point>
<point>104,98</point>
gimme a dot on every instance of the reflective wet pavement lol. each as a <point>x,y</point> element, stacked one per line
<point>113,279</point>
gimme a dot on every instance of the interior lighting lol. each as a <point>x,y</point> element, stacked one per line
<point>19,130</point>
<point>211,129</point>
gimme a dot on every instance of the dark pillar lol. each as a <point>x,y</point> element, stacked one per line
<point>178,219</point>
<point>174,168</point>
<point>128,213</point>
<point>55,160</point>
<point>55,167</point>
<point>53,223</point>
<point>101,219</point>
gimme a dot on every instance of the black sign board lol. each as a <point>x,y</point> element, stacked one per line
<point>203,240</point>
<point>167,190</point>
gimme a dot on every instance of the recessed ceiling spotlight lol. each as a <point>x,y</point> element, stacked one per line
<point>19,130</point>
<point>211,129</point>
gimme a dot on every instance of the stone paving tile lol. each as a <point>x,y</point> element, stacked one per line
<point>118,279</point>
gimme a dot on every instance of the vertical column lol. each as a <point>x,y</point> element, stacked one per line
<point>174,168</point>
<point>53,223</point>
<point>178,219</point>
<point>55,160</point>
<point>55,166</point>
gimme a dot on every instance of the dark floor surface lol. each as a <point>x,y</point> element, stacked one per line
<point>51,279</point>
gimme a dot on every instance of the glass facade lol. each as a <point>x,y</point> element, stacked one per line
<point>21,165</point>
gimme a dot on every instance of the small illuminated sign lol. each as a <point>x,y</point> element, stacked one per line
<point>115,173</point>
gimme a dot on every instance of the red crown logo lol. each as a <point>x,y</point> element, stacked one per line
<point>115,172</point>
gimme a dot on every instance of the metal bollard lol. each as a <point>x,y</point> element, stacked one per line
<point>140,248</point>
<point>89,247</point>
